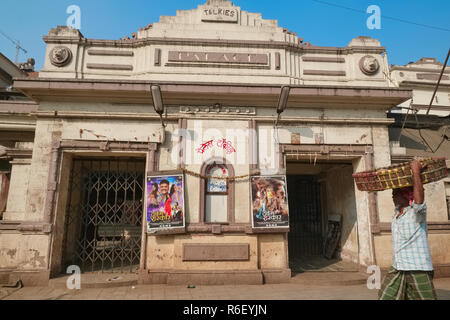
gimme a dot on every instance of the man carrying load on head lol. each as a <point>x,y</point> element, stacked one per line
<point>411,274</point>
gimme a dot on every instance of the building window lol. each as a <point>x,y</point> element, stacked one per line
<point>216,208</point>
<point>217,195</point>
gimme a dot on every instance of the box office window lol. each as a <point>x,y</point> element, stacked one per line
<point>216,198</point>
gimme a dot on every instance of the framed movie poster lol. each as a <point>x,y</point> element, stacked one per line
<point>165,202</point>
<point>269,202</point>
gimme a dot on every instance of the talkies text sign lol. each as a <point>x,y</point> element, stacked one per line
<point>220,14</point>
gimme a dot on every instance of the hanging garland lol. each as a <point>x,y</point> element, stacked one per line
<point>198,175</point>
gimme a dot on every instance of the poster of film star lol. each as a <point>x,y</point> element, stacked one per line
<point>165,202</point>
<point>269,202</point>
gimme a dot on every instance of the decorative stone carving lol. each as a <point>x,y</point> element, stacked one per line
<point>60,56</point>
<point>369,65</point>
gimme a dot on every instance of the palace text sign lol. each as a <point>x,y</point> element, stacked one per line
<point>218,57</point>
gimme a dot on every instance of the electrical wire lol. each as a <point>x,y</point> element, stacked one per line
<point>384,16</point>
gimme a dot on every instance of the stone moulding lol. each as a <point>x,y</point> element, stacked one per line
<point>324,73</point>
<point>433,227</point>
<point>95,52</point>
<point>369,65</point>
<point>183,93</point>
<point>323,59</point>
<point>135,43</point>
<point>60,56</point>
<point>214,277</point>
<point>26,226</point>
<point>103,66</point>
<point>431,76</point>
<point>216,252</point>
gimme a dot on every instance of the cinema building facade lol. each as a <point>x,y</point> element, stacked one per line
<point>80,191</point>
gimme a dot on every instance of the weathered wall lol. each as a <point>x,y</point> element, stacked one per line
<point>203,131</point>
<point>272,253</point>
<point>23,251</point>
<point>362,213</point>
<point>18,188</point>
<point>46,131</point>
<point>341,201</point>
<point>439,247</point>
<point>435,199</point>
<point>166,252</point>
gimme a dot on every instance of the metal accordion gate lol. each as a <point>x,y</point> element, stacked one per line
<point>305,236</point>
<point>103,224</point>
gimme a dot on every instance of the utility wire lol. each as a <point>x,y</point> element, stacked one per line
<point>439,81</point>
<point>384,16</point>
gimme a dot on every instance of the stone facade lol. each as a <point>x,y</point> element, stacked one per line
<point>220,70</point>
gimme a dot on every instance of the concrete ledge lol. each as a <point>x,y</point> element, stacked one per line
<point>152,277</point>
<point>202,277</point>
<point>30,278</point>
<point>97,280</point>
<point>274,276</point>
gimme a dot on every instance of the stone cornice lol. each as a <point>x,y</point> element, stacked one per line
<point>136,43</point>
<point>197,93</point>
<point>418,69</point>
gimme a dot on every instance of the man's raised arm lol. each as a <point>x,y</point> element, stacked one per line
<point>418,186</point>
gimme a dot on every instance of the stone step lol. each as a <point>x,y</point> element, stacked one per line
<point>97,280</point>
<point>4,278</point>
<point>330,278</point>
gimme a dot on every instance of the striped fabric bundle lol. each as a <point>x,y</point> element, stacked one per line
<point>400,175</point>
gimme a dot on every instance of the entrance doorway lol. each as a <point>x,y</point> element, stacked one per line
<point>306,222</point>
<point>323,216</point>
<point>103,224</point>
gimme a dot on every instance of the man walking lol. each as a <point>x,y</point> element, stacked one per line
<point>411,274</point>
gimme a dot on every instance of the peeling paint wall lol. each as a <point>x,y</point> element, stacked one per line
<point>23,251</point>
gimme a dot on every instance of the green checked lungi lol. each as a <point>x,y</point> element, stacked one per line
<point>407,285</point>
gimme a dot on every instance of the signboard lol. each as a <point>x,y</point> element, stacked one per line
<point>269,202</point>
<point>219,57</point>
<point>165,202</point>
<point>220,14</point>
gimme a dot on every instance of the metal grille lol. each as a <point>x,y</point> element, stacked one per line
<point>305,236</point>
<point>104,215</point>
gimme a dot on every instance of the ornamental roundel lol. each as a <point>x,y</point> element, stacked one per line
<point>369,65</point>
<point>60,56</point>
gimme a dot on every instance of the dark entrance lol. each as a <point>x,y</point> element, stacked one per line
<point>103,224</point>
<point>305,219</point>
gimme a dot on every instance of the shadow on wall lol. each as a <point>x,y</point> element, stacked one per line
<point>340,200</point>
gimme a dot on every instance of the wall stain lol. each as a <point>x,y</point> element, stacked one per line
<point>37,260</point>
<point>11,253</point>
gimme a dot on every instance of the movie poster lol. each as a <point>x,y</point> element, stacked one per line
<point>165,202</point>
<point>269,202</point>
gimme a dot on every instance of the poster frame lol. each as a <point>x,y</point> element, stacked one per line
<point>271,225</point>
<point>165,227</point>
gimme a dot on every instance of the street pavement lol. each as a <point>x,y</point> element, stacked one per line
<point>289,291</point>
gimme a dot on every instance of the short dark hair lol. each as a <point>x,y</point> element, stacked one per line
<point>164,182</point>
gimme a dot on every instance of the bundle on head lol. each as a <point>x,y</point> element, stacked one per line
<point>400,175</point>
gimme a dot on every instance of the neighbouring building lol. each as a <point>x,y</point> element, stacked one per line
<point>243,103</point>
